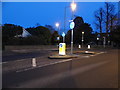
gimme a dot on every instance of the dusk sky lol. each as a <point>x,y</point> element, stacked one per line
<point>28,14</point>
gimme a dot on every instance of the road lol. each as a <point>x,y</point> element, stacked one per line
<point>97,71</point>
<point>23,54</point>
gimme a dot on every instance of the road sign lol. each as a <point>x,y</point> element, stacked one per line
<point>72,24</point>
<point>63,34</point>
<point>62,47</point>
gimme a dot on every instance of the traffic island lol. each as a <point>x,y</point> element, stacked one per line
<point>88,52</point>
<point>62,56</point>
<point>85,52</point>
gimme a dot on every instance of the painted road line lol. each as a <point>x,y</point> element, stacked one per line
<point>18,60</point>
<point>45,65</point>
<point>92,55</point>
<point>98,53</point>
<point>63,75</point>
<point>53,63</point>
<point>3,62</point>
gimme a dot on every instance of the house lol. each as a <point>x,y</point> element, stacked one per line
<point>24,34</point>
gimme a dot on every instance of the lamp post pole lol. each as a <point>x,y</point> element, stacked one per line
<point>82,38</point>
<point>104,41</point>
<point>73,7</point>
<point>58,27</point>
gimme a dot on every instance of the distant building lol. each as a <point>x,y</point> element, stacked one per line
<point>24,34</point>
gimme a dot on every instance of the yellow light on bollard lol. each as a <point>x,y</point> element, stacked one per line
<point>62,49</point>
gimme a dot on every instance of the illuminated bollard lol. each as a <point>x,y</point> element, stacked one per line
<point>62,49</point>
<point>34,62</point>
<point>88,46</point>
<point>79,46</point>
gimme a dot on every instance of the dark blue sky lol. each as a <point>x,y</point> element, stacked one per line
<point>28,14</point>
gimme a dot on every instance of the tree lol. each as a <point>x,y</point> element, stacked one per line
<point>106,18</point>
<point>99,19</point>
<point>68,37</point>
<point>87,33</point>
<point>54,37</point>
<point>109,14</point>
<point>9,31</point>
<point>78,21</point>
<point>50,28</point>
<point>44,33</point>
<point>79,27</point>
<point>115,36</point>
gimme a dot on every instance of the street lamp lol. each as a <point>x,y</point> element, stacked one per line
<point>82,38</point>
<point>104,41</point>
<point>98,40</point>
<point>58,26</point>
<point>73,7</point>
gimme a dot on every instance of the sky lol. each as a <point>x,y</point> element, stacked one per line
<point>28,14</point>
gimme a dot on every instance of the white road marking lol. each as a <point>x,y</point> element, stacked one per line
<point>60,76</point>
<point>45,65</point>
<point>3,62</point>
<point>92,55</point>
<point>53,63</point>
<point>98,53</point>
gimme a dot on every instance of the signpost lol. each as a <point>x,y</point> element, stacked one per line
<point>63,35</point>
<point>72,25</point>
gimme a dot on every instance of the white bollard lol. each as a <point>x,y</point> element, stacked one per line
<point>88,46</point>
<point>34,62</point>
<point>79,46</point>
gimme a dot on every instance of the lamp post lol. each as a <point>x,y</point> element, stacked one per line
<point>73,7</point>
<point>82,38</point>
<point>63,35</point>
<point>98,40</point>
<point>104,41</point>
<point>58,27</point>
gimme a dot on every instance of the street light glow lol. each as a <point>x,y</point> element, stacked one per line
<point>73,6</point>
<point>57,24</point>
<point>82,32</point>
<point>97,38</point>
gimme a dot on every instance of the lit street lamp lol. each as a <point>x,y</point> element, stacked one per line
<point>98,40</point>
<point>73,7</point>
<point>82,38</point>
<point>58,26</point>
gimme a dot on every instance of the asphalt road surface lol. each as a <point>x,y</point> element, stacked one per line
<point>17,55</point>
<point>97,71</point>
